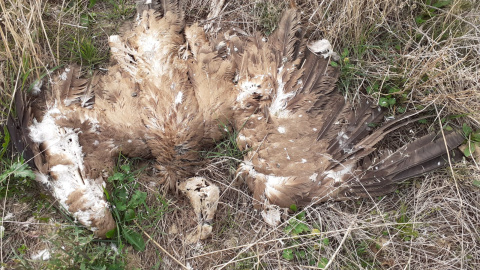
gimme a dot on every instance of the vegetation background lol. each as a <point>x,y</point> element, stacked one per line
<point>404,54</point>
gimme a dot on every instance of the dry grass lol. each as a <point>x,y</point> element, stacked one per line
<point>430,53</point>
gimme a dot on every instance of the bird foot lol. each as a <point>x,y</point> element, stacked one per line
<point>272,215</point>
<point>204,198</point>
<point>202,232</point>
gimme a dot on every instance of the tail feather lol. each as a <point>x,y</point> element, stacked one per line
<point>418,157</point>
<point>18,127</point>
<point>430,165</point>
<point>384,130</point>
<point>365,144</point>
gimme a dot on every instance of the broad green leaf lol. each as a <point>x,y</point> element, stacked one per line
<point>383,102</point>
<point>420,19</point>
<point>120,195</point>
<point>301,254</point>
<point>470,149</point>
<point>393,90</point>
<point>21,170</point>
<point>121,206</point>
<point>287,254</point>
<point>135,239</point>
<point>125,168</point>
<point>301,228</point>
<point>129,215</point>
<point>293,207</point>
<point>130,178</point>
<point>138,198</point>
<point>110,234</point>
<point>322,263</point>
<point>475,136</point>
<point>118,176</point>
<point>301,216</point>
<point>325,241</point>
<point>333,64</point>
<point>422,121</point>
<point>466,129</point>
<point>476,183</point>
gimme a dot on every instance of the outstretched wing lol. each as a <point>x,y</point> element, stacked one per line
<point>308,144</point>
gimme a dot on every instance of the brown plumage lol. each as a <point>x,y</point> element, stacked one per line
<point>155,101</point>
<point>170,88</point>
<point>307,144</point>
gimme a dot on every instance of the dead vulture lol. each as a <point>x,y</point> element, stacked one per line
<point>169,88</point>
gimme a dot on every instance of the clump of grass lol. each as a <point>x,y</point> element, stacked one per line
<point>122,9</point>
<point>134,210</point>
<point>85,52</point>
<point>126,199</point>
<point>227,148</point>
<point>391,50</point>
<point>268,13</point>
<point>15,176</point>
<point>72,247</point>
<point>297,250</point>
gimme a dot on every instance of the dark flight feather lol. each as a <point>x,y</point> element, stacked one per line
<point>18,127</point>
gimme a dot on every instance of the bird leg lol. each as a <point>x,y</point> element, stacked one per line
<point>255,181</point>
<point>270,213</point>
<point>204,199</point>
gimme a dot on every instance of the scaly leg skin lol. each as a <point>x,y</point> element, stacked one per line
<point>204,197</point>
